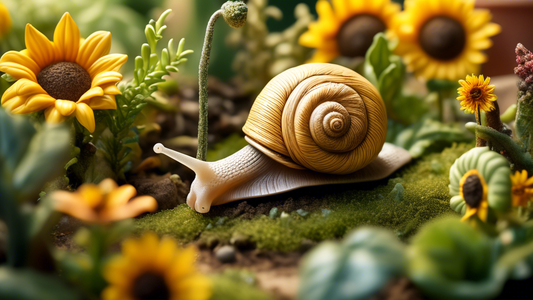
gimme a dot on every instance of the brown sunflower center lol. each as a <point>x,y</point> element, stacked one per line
<point>65,80</point>
<point>355,35</point>
<point>150,286</point>
<point>473,190</point>
<point>518,190</point>
<point>475,93</point>
<point>442,38</point>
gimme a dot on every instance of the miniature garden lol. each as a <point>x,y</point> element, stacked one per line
<point>263,149</point>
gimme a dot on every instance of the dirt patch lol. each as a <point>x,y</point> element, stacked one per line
<point>275,272</point>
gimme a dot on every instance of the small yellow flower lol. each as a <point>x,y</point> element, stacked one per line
<point>5,20</point>
<point>522,189</point>
<point>443,39</point>
<point>473,189</point>
<point>150,268</point>
<point>103,203</point>
<point>69,76</point>
<point>347,28</point>
<point>476,93</point>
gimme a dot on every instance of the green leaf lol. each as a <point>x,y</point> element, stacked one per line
<point>21,284</point>
<point>391,80</point>
<point>377,58</point>
<point>45,157</point>
<point>356,269</point>
<point>428,134</point>
<point>15,135</point>
<point>448,259</point>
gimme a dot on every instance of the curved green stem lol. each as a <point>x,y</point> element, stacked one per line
<point>502,142</point>
<point>204,64</point>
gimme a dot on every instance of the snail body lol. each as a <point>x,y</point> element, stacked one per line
<point>311,125</point>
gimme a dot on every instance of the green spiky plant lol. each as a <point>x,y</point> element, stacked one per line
<point>150,68</point>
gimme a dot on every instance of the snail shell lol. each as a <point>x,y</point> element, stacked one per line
<point>311,125</point>
<point>321,117</point>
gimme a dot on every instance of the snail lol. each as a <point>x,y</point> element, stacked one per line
<point>315,124</point>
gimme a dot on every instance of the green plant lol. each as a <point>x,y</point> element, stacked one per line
<point>150,68</point>
<point>28,159</point>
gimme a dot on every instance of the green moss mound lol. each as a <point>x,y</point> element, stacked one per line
<point>411,197</point>
<point>236,285</point>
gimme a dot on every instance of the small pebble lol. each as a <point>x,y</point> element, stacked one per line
<point>285,218</point>
<point>302,212</point>
<point>273,213</point>
<point>397,192</point>
<point>221,221</point>
<point>226,254</point>
<point>325,212</point>
<point>437,167</point>
<point>209,226</point>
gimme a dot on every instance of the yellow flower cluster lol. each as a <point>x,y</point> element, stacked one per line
<point>438,39</point>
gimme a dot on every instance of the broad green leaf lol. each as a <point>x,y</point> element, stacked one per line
<point>15,135</point>
<point>25,284</point>
<point>355,269</point>
<point>46,155</point>
<point>449,259</point>
<point>377,58</point>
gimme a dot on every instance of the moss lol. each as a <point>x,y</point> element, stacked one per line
<point>227,147</point>
<point>426,196</point>
<point>236,285</point>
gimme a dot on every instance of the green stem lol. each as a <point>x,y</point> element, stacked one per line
<point>502,142</point>
<point>204,65</point>
<point>17,243</point>
<point>440,104</point>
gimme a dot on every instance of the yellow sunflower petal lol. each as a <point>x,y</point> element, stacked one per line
<point>23,65</point>
<point>67,38</point>
<point>40,49</point>
<point>166,252</point>
<point>91,93</point>
<point>106,78</point>
<point>95,46</point>
<point>111,89</point>
<point>321,56</point>
<point>132,209</point>
<point>85,116</point>
<point>71,204</point>
<point>17,94</point>
<point>121,195</point>
<point>65,107</point>
<point>104,102</point>
<point>37,103</point>
<point>469,213</point>
<point>111,62</point>
<point>107,186</point>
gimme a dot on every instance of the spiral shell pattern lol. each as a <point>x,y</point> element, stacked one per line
<point>495,171</point>
<point>321,117</point>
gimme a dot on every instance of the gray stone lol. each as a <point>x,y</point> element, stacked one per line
<point>226,254</point>
<point>397,192</point>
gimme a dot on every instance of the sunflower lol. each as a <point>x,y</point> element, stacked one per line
<point>103,203</point>
<point>347,28</point>
<point>150,268</point>
<point>476,93</point>
<point>68,76</point>
<point>443,39</point>
<point>522,190</point>
<point>473,189</point>
<point>5,20</point>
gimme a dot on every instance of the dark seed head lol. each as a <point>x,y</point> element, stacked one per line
<point>356,35</point>
<point>475,93</point>
<point>442,38</point>
<point>65,80</point>
<point>150,286</point>
<point>473,190</point>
